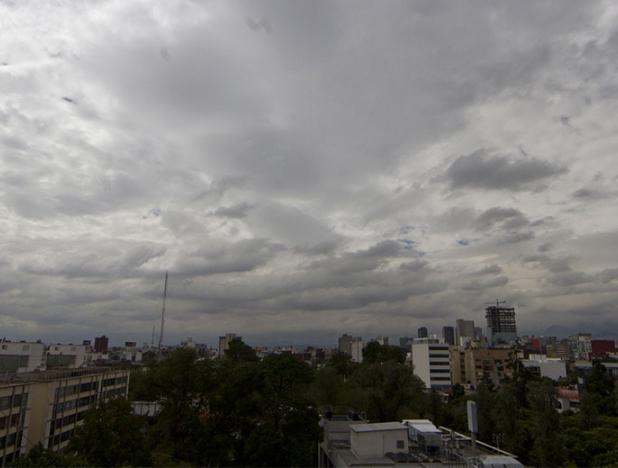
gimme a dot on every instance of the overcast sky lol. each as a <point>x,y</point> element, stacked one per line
<point>306,168</point>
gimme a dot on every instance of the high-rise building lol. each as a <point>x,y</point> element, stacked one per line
<point>352,346</point>
<point>422,332</point>
<point>356,350</point>
<point>383,340</point>
<point>406,342</point>
<point>448,334</point>
<point>344,344</point>
<point>464,332</point>
<point>100,344</point>
<point>501,327</point>
<point>224,343</point>
<point>431,361</point>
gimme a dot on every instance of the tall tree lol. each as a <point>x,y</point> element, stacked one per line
<point>112,436</point>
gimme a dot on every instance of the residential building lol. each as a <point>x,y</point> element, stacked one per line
<point>70,356</point>
<point>352,346</point>
<point>558,349</point>
<point>458,366</point>
<point>224,343</point>
<point>448,335</point>
<point>552,368</point>
<point>101,344</point>
<point>21,356</point>
<point>464,332</point>
<point>344,343</point>
<point>581,346</point>
<point>487,365</point>
<point>422,332</point>
<point>602,348</point>
<point>431,361</point>
<point>501,326</point>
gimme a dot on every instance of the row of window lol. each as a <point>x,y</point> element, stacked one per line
<point>58,439</point>
<point>5,402</point>
<point>72,404</point>
<point>11,421</point>
<point>438,363</point>
<point>8,459</point>
<point>67,420</point>
<point>115,393</point>
<point>11,439</point>
<point>77,388</point>
<point>115,381</point>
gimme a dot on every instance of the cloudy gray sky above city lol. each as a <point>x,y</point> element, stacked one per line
<point>304,169</point>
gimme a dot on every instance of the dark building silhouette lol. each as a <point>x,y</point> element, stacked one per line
<point>422,332</point>
<point>448,333</point>
<point>100,344</point>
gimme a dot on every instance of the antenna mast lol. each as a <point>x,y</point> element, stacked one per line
<point>163,315</point>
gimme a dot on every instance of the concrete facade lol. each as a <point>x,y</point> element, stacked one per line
<point>432,363</point>
<point>18,357</point>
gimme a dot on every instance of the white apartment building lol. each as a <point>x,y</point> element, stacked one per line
<point>432,363</point>
<point>22,356</point>
<point>552,368</point>
<point>67,355</point>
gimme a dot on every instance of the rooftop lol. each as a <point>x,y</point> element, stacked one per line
<point>49,375</point>
<point>387,426</point>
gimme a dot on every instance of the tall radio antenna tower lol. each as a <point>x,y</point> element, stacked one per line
<point>163,315</point>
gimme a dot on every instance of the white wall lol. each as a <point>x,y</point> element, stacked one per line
<point>34,351</point>
<point>377,443</point>
<point>420,361</point>
<point>79,351</point>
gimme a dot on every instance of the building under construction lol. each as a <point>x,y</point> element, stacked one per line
<point>501,327</point>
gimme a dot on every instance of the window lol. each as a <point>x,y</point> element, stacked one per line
<point>400,444</point>
<point>25,347</point>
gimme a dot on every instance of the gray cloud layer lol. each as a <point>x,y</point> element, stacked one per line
<point>304,169</point>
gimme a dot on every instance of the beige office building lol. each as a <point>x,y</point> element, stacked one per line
<point>47,407</point>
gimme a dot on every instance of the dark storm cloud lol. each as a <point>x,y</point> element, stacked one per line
<point>280,160</point>
<point>219,257</point>
<point>484,170</point>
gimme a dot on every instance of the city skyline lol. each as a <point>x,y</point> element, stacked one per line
<point>304,170</point>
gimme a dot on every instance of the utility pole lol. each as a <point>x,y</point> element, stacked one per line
<point>162,316</point>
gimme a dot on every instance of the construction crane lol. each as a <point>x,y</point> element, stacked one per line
<point>162,317</point>
<point>498,302</point>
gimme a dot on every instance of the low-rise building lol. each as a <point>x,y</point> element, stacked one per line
<point>67,355</point>
<point>14,419</point>
<point>552,368</point>
<point>46,407</point>
<point>21,356</point>
<point>411,443</point>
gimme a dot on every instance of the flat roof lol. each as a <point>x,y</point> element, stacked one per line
<point>375,427</point>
